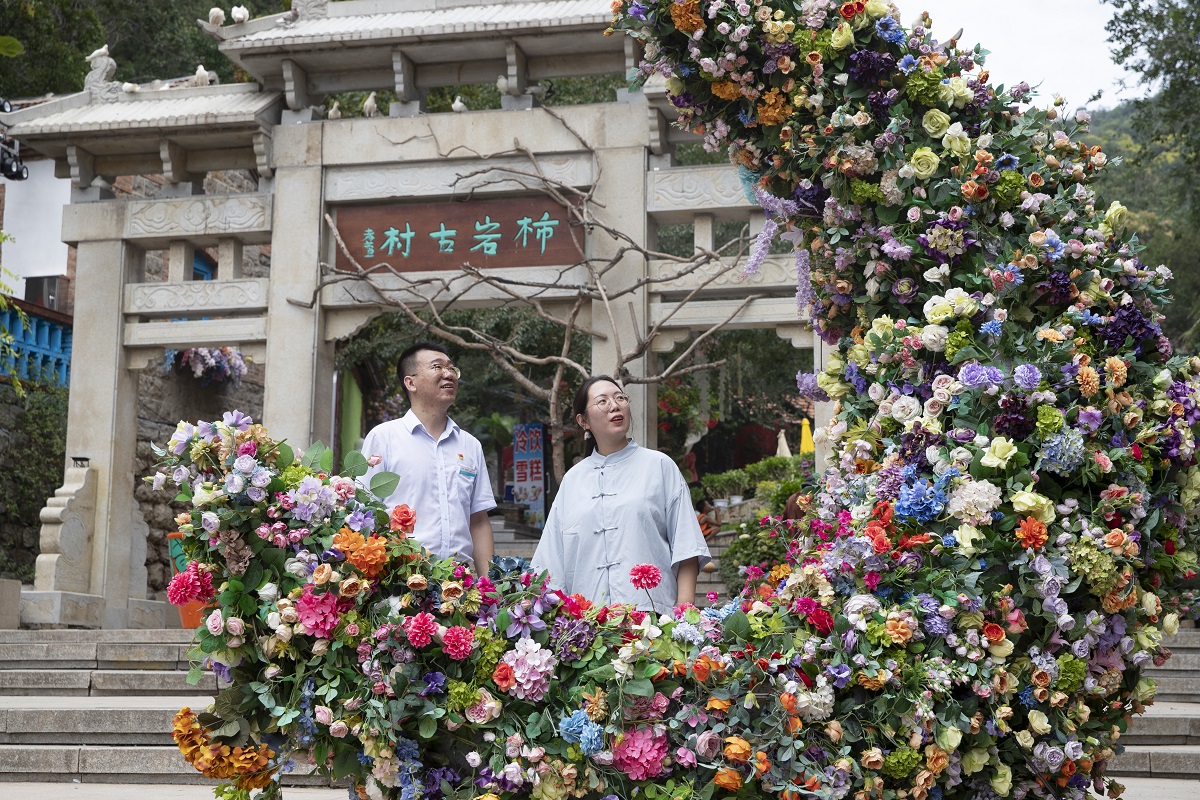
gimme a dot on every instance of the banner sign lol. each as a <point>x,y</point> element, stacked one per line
<point>421,237</point>
<point>529,476</point>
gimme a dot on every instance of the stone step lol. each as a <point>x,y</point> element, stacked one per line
<point>1176,688</point>
<point>1158,761</point>
<point>94,655</point>
<point>76,635</point>
<point>58,720</point>
<point>150,764</point>
<point>98,682</point>
<point>1165,723</point>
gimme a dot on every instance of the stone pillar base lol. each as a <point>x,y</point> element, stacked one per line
<point>61,609</point>
<point>152,614</point>
<point>10,604</point>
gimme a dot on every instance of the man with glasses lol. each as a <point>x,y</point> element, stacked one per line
<point>443,475</point>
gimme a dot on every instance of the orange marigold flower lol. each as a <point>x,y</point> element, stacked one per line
<point>1117,371</point>
<point>1089,381</point>
<point>1032,533</point>
<point>686,16</point>
<point>371,557</point>
<point>348,540</point>
<point>773,108</point>
<point>726,90</point>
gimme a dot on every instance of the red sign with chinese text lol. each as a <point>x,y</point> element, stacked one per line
<point>421,237</point>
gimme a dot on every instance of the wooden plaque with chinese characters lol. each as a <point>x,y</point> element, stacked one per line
<point>422,237</point>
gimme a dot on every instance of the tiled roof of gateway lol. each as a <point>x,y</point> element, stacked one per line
<point>151,109</point>
<point>489,18</point>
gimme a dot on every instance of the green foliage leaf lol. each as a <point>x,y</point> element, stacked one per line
<point>639,687</point>
<point>285,457</point>
<point>384,483</point>
<point>10,47</point>
<point>427,727</point>
<point>354,464</point>
<point>313,455</point>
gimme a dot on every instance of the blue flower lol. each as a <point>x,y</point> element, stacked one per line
<point>571,728</point>
<point>1063,453</point>
<point>907,64</point>
<point>889,30</point>
<point>991,328</point>
<point>1007,162</point>
<point>591,740</point>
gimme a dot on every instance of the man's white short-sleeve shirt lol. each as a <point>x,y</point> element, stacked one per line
<point>443,481</point>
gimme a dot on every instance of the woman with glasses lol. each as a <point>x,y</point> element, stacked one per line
<point>621,505</point>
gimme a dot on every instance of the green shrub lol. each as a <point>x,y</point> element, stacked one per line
<point>751,547</point>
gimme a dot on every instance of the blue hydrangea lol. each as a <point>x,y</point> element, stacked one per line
<point>591,740</point>
<point>687,632</point>
<point>1063,453</point>
<point>921,502</point>
<point>571,728</point>
<point>992,327</point>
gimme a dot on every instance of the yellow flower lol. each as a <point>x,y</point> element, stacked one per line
<point>935,123</point>
<point>1039,723</point>
<point>843,36</point>
<point>956,140</point>
<point>924,162</point>
<point>998,453</point>
<point>1035,505</point>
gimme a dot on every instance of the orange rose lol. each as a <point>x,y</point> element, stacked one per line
<point>993,632</point>
<point>1115,539</point>
<point>503,676</point>
<point>321,574</point>
<point>794,723</point>
<point>897,631</point>
<point>936,759</point>
<point>761,764</point>
<point>737,749</point>
<point>717,704</point>
<point>402,519</point>
<point>788,701</point>
<point>728,779</point>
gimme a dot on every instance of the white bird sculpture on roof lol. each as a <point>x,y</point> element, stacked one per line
<point>200,78</point>
<point>335,111</point>
<point>216,17</point>
<point>130,88</point>
<point>458,106</point>
<point>240,14</point>
<point>101,53</point>
<point>370,108</point>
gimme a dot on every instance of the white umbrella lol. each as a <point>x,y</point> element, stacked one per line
<point>782,448</point>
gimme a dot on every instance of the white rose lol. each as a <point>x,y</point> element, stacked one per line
<point>956,140</point>
<point>934,407</point>
<point>875,392</point>
<point>934,337</point>
<point>906,408</point>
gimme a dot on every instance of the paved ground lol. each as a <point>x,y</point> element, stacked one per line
<point>1138,789</point>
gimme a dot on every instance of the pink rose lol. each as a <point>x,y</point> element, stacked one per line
<point>685,757</point>
<point>374,461</point>
<point>215,623</point>
<point>708,744</point>
<point>235,626</point>
<point>339,729</point>
<point>344,487</point>
<point>324,714</point>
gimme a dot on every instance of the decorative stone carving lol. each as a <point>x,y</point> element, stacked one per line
<point>99,82</point>
<point>65,561</point>
<point>388,182</point>
<point>190,217</point>
<point>311,8</point>
<point>199,296</point>
<point>196,332</point>
<point>776,272</point>
<point>692,189</point>
<point>61,608</point>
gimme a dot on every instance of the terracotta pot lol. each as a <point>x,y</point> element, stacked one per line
<point>192,613</point>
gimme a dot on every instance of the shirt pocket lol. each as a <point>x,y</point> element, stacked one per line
<point>460,478</point>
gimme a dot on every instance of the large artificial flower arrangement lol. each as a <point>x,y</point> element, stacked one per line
<point>976,592</point>
<point>1014,476</point>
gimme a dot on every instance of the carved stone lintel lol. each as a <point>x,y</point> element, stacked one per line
<point>685,190</point>
<point>211,297</point>
<point>230,215</point>
<point>345,322</point>
<point>68,525</point>
<point>799,334</point>
<point>295,85</point>
<point>311,9</point>
<point>388,181</point>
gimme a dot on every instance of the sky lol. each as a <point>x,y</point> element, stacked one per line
<point>1060,43</point>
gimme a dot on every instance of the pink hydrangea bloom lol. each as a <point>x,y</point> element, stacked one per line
<point>532,667</point>
<point>420,629</point>
<point>457,641</point>
<point>640,753</point>
<point>318,612</point>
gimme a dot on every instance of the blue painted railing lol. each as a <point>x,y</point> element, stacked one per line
<point>41,345</point>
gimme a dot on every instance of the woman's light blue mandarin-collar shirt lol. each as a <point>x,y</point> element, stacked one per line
<point>612,512</point>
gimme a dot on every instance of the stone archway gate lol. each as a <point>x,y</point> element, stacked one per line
<point>91,568</point>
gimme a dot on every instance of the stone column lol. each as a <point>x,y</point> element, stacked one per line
<point>622,191</point>
<point>822,412</point>
<point>92,529</point>
<point>298,392</point>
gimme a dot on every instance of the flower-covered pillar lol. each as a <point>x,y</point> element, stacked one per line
<point>299,366</point>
